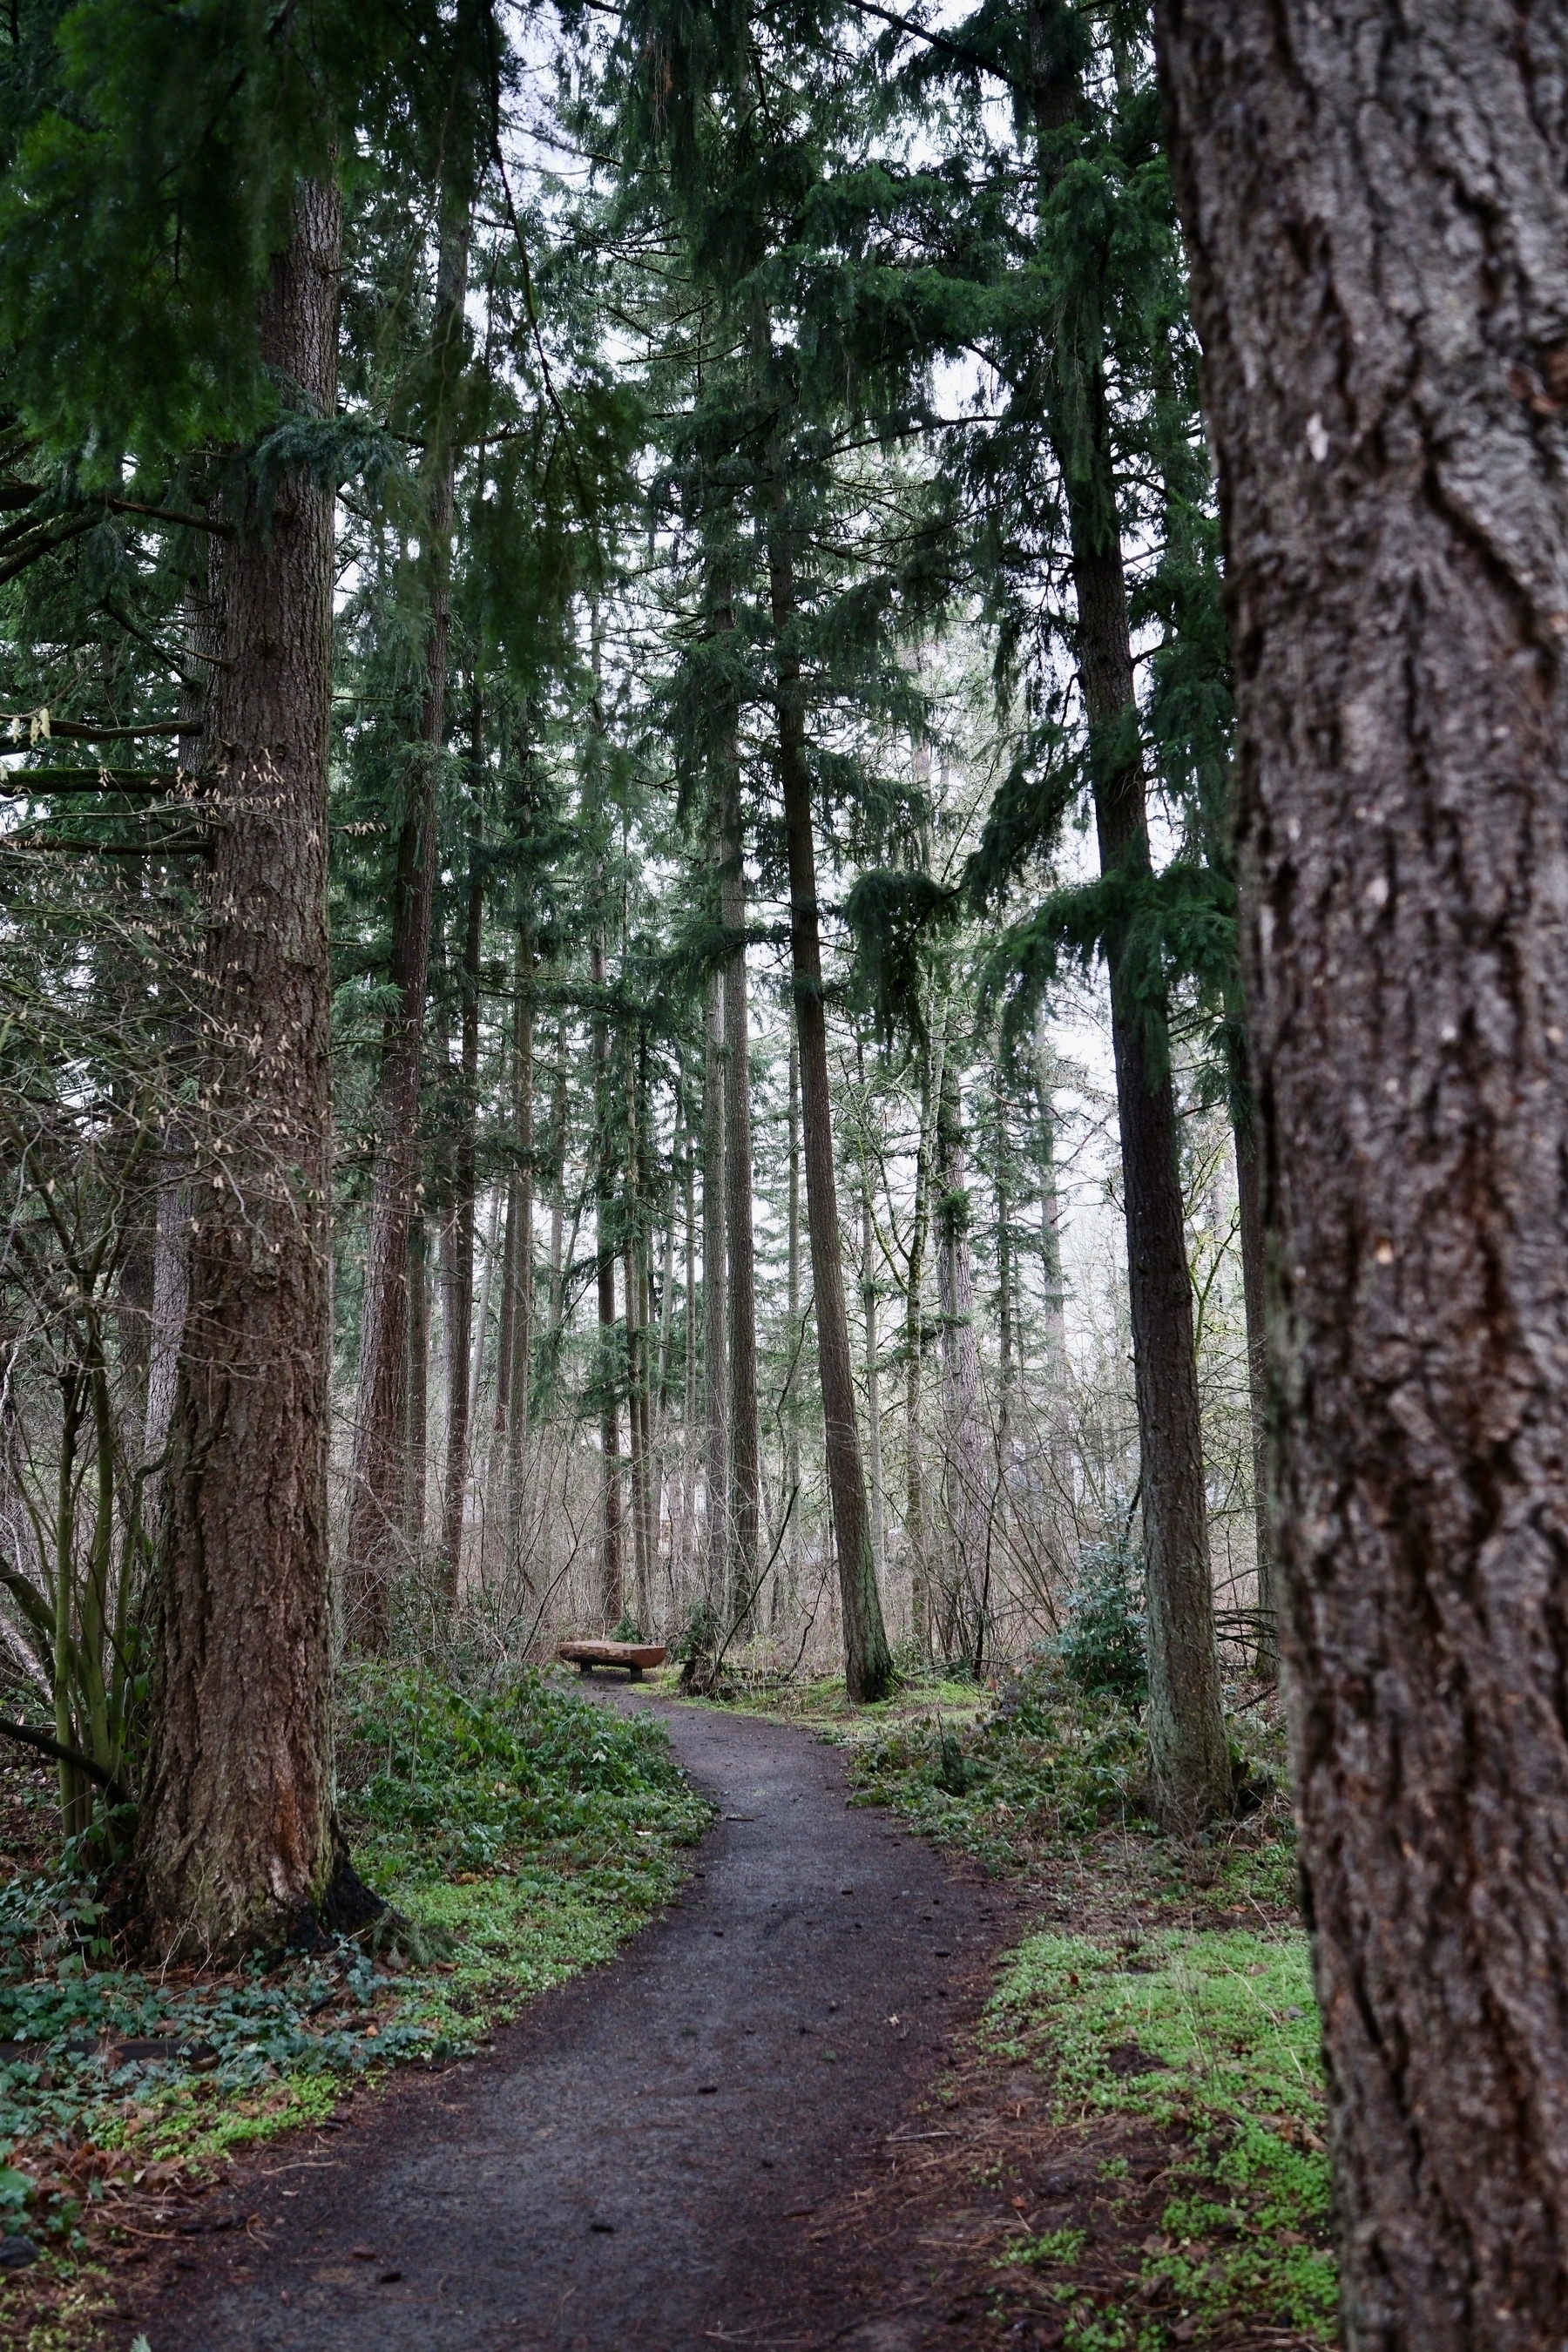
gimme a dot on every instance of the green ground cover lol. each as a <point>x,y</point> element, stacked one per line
<point>1172,1991</point>
<point>520,1836</point>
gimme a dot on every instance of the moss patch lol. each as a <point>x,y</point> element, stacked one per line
<point>1215,2036</point>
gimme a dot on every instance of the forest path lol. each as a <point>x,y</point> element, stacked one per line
<point>640,2163</point>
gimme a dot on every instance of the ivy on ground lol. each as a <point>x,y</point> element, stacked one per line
<point>519,1836</point>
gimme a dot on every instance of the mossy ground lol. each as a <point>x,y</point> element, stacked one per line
<point>1161,2004</point>
<point>522,1835</point>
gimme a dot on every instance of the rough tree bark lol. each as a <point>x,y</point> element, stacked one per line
<point>1376,207</point>
<point>237,1836</point>
<point>867,1662</point>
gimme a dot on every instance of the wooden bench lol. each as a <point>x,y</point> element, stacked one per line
<point>633,1656</point>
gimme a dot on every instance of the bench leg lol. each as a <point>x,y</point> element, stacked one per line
<point>637,1673</point>
<point>585,1666</point>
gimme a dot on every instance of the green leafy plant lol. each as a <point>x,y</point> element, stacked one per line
<point>1215,2033</point>
<point>1103,1646</point>
<point>523,1833</point>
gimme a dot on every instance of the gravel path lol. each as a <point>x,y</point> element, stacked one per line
<point>642,2160</point>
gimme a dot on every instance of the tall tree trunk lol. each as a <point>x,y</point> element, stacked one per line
<point>1006,1314</point>
<point>663,1501</point>
<point>377,1469</point>
<point>965,1451</point>
<point>689,1392</point>
<point>1188,1754</point>
<point>744,1429</point>
<point>460,1290</point>
<point>417,1384</point>
<point>172,1224</point>
<point>873,1371</point>
<point>637,1341</point>
<point>867,1662</point>
<point>237,1835</point>
<point>1053,1284</point>
<point>715,1306</point>
<point>1376,208</point>
<point>612,1576</point>
<point>558,1177</point>
<point>637,1430</point>
<point>915,1525</point>
<point>480,1343</point>
<point>796,1342</point>
<point>1249,1219</point>
<point>522,1251</point>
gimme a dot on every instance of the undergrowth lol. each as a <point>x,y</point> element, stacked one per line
<point>520,1837</point>
<point>1175,1993</point>
<point>1212,2036</point>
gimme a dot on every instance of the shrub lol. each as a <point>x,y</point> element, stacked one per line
<point>1103,1646</point>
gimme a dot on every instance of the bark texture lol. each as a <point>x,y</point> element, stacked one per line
<point>1376,205</point>
<point>237,1832</point>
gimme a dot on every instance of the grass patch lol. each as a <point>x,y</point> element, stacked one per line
<point>820,1704</point>
<point>1176,1995</point>
<point>1213,2034</point>
<point>523,1836</point>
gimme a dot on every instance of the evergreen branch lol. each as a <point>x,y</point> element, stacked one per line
<point>17,784</point>
<point>74,730</point>
<point>185,845</point>
<point>941,41</point>
<point>45,544</point>
<point>172,516</point>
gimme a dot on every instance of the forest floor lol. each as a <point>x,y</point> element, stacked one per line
<point>1037,2078</point>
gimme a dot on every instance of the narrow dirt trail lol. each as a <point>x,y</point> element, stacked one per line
<point>642,2161</point>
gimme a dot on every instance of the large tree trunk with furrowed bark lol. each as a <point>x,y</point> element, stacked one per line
<point>1376,208</point>
<point>238,1838</point>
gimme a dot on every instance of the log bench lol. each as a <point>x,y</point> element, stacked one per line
<point>633,1656</point>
